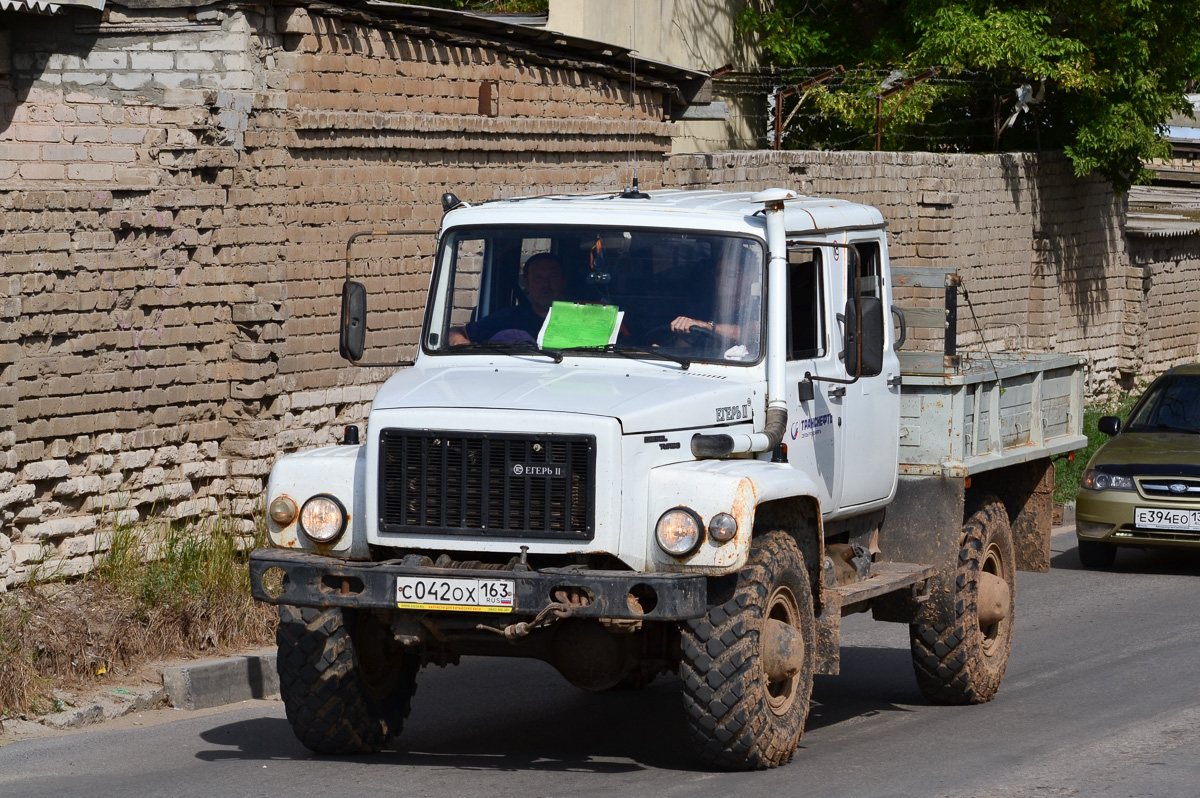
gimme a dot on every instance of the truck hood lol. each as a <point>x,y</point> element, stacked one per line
<point>641,402</point>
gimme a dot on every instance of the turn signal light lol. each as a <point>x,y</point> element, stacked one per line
<point>283,511</point>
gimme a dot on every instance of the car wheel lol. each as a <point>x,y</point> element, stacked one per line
<point>1096,555</point>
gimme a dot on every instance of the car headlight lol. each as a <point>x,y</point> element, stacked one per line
<point>1094,479</point>
<point>679,531</point>
<point>323,518</point>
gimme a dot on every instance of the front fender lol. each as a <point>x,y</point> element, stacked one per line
<point>709,487</point>
<point>339,471</point>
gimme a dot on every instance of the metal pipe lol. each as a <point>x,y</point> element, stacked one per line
<point>722,445</point>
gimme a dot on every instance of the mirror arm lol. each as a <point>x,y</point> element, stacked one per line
<point>373,234</point>
<point>852,250</point>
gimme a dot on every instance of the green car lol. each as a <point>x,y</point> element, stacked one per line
<point>1142,488</point>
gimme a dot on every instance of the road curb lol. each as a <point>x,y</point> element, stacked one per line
<point>214,683</point>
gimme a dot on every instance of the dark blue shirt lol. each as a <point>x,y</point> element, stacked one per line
<point>516,317</point>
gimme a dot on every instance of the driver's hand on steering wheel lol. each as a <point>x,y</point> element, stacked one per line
<point>684,324</point>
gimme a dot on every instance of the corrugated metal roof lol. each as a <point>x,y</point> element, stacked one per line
<point>1163,212</point>
<point>45,7</point>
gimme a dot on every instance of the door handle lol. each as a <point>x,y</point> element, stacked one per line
<point>837,392</point>
<point>896,381</point>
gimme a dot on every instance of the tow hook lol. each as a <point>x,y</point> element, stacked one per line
<point>554,612</point>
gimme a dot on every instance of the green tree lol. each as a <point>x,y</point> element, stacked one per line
<point>1104,75</point>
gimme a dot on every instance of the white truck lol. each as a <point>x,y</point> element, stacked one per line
<point>698,457</point>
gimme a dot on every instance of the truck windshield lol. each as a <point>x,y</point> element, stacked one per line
<point>598,292</point>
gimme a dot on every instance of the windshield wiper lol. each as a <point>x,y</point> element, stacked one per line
<point>631,352</point>
<point>512,348</point>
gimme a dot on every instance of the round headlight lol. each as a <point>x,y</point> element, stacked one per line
<point>679,532</point>
<point>323,519</point>
<point>283,511</point>
<point>722,528</point>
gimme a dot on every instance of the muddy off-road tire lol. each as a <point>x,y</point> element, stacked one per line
<point>1096,555</point>
<point>963,662</point>
<point>341,698</point>
<point>739,717</point>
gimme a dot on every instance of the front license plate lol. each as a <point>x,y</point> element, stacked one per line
<point>1150,518</point>
<point>454,593</point>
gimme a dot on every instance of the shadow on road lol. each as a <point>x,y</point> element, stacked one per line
<point>514,716</point>
<point>1152,560</point>
<point>872,681</point>
<point>554,730</point>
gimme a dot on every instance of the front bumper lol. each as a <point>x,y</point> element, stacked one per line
<point>313,580</point>
<point>1107,516</point>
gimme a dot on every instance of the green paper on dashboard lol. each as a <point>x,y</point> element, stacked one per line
<point>570,324</point>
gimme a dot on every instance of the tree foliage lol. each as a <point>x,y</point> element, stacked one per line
<point>1104,75</point>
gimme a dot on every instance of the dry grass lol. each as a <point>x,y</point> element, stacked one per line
<point>153,595</point>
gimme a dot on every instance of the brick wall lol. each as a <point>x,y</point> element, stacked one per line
<point>176,193</point>
<point>1162,322</point>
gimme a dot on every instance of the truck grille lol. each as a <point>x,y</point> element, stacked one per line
<point>495,484</point>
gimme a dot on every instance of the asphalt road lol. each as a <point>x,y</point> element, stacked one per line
<point>1101,699</point>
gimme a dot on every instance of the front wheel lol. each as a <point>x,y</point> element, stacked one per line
<point>963,662</point>
<point>747,665</point>
<point>1097,555</point>
<point>344,692</point>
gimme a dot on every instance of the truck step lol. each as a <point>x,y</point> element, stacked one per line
<point>886,577</point>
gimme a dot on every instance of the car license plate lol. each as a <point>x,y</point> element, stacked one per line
<point>1151,518</point>
<point>454,593</point>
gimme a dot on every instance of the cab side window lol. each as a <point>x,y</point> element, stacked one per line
<point>806,304</point>
<point>870,268</point>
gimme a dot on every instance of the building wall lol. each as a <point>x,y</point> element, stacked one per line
<point>1163,320</point>
<point>172,255</point>
<point>696,34</point>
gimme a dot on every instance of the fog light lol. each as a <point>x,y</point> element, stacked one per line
<point>323,519</point>
<point>1090,529</point>
<point>679,531</point>
<point>283,511</point>
<point>722,528</point>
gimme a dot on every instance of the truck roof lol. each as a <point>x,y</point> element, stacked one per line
<point>669,207</point>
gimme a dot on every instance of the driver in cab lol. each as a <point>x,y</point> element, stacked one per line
<point>542,282</point>
<point>736,309</point>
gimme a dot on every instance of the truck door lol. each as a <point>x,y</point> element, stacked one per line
<point>814,415</point>
<point>871,410</point>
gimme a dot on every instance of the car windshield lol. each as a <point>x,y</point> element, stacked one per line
<point>603,292</point>
<point>1171,405</point>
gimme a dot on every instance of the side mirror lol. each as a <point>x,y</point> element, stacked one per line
<point>1109,425</point>
<point>872,337</point>
<point>353,324</point>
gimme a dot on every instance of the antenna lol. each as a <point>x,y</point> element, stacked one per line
<point>632,106</point>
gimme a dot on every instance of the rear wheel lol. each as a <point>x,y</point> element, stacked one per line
<point>747,666</point>
<point>344,693</point>
<point>1096,555</point>
<point>963,662</point>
